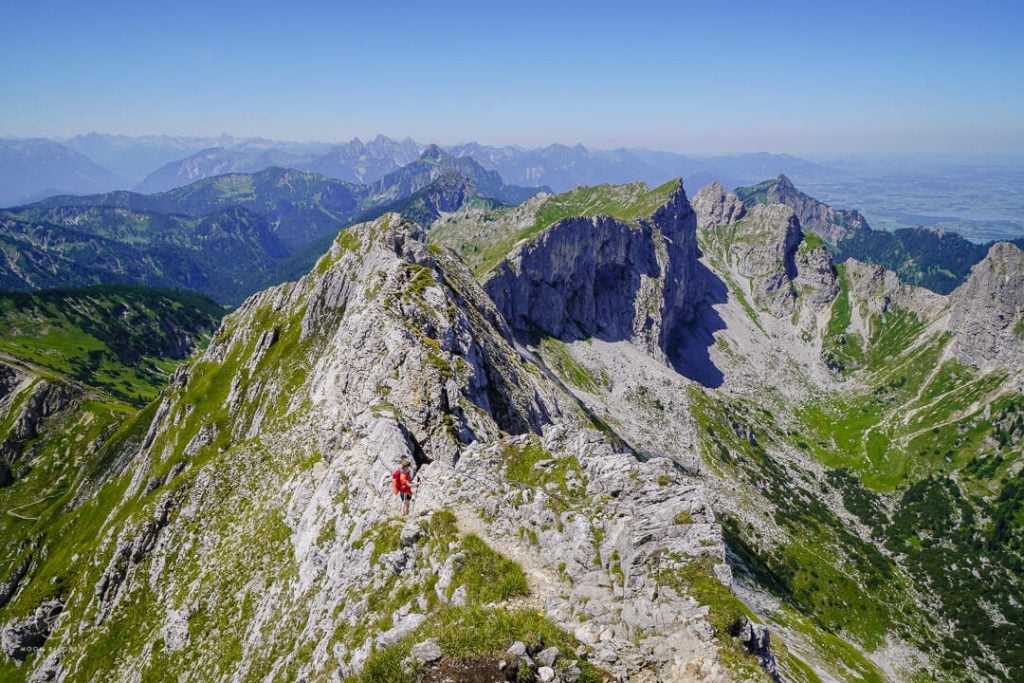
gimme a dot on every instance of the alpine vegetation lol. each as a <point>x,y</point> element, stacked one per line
<point>610,434</point>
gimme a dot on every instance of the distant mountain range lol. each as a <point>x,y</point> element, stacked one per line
<point>563,168</point>
<point>226,236</point>
<point>36,168</point>
<point>134,157</point>
<point>364,162</point>
<point>354,161</point>
<point>210,162</point>
<point>160,163</point>
<point>557,166</point>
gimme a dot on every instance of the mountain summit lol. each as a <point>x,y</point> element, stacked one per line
<point>834,225</point>
<point>435,162</point>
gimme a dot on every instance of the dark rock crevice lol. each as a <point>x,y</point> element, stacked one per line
<point>9,587</point>
<point>21,637</point>
<point>756,639</point>
<point>131,552</point>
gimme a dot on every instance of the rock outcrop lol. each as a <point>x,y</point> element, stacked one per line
<point>987,311</point>
<point>816,276</point>
<point>8,587</point>
<point>880,290</point>
<point>29,406</point>
<point>10,378</point>
<point>714,206</point>
<point>20,638</point>
<point>604,277</point>
<point>757,640</point>
<point>764,245</point>
<point>833,225</point>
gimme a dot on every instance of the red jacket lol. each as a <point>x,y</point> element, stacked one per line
<point>401,482</point>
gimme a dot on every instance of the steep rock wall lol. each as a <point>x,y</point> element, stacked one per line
<point>604,277</point>
<point>987,311</point>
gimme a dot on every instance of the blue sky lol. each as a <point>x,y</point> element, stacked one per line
<point>800,77</point>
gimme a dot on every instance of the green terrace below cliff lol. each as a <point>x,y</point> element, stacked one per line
<point>121,339</point>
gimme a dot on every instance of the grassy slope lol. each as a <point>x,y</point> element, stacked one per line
<point>117,340</point>
<point>907,419</point>
<point>924,451</point>
<point>939,441</point>
<point>124,340</point>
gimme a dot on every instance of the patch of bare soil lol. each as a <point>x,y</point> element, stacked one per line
<point>477,670</point>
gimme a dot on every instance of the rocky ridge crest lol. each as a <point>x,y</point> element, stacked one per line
<point>260,480</point>
<point>833,225</point>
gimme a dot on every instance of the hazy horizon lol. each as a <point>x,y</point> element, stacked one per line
<point>818,157</point>
<point>800,78</point>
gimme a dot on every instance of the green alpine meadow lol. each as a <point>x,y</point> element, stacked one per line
<point>512,343</point>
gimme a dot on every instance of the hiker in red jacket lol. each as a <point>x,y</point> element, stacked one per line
<point>401,484</point>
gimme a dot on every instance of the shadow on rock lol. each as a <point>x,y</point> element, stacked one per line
<point>690,353</point>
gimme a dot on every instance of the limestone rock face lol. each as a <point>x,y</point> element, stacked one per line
<point>604,277</point>
<point>46,400</point>
<point>987,311</point>
<point>816,277</point>
<point>714,206</point>
<point>881,289</point>
<point>417,336</point>
<point>254,532</point>
<point>764,246</point>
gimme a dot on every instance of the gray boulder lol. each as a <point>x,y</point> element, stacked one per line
<point>410,534</point>
<point>426,652</point>
<point>547,657</point>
